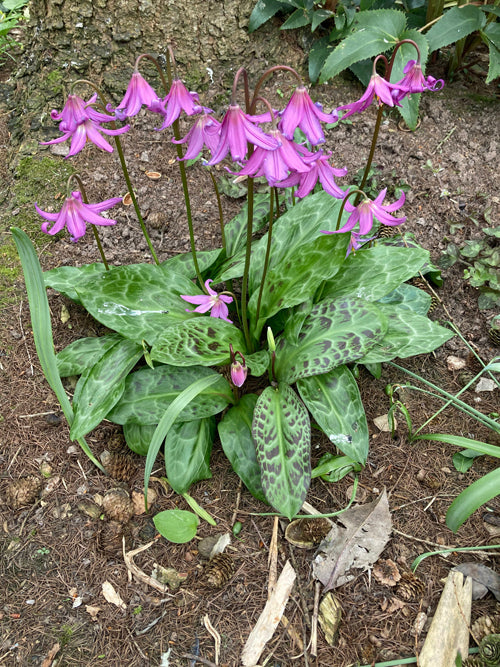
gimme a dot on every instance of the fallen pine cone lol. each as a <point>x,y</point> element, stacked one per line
<point>485,625</point>
<point>23,491</point>
<point>110,537</point>
<point>116,443</point>
<point>118,505</point>
<point>219,570</point>
<point>121,467</point>
<point>410,587</point>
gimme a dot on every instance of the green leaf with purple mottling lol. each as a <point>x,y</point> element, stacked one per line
<point>282,434</point>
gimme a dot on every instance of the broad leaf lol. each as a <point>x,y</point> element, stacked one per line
<point>407,240</point>
<point>84,353</point>
<point>334,401</point>
<point>183,263</point>
<point>456,23</point>
<point>376,32</point>
<point>200,340</point>
<point>187,453</point>
<point>475,495</point>
<point>409,297</point>
<point>336,332</point>
<point>176,526</point>
<point>298,19</point>
<point>374,272</point>
<point>138,300</point>
<point>65,279</point>
<point>149,392</point>
<point>138,437</point>
<point>235,433</point>
<point>295,321</point>
<point>282,435</point>
<point>42,328</point>
<point>491,35</point>
<point>103,386</point>
<point>258,362</point>
<point>263,11</point>
<point>407,334</point>
<point>297,277</point>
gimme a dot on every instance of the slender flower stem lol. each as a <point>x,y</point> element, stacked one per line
<point>221,214</point>
<point>182,167</point>
<point>372,151</point>
<point>357,191</point>
<point>272,194</point>
<point>124,168</point>
<point>271,70</point>
<point>248,252</point>
<point>94,229</point>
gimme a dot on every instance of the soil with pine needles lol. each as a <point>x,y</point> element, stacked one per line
<point>55,556</point>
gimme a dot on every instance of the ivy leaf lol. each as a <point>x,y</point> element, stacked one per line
<point>282,435</point>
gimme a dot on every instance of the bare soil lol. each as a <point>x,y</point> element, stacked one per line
<point>55,557</point>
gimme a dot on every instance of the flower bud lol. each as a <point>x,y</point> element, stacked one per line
<point>270,340</point>
<point>238,373</point>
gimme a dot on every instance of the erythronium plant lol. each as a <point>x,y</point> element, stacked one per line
<point>286,314</point>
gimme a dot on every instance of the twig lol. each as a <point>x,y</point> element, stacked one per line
<point>197,658</point>
<point>151,625</point>
<point>14,458</point>
<point>236,508</point>
<point>445,139</point>
<point>139,574</point>
<point>272,559</point>
<point>144,657</point>
<point>216,636</point>
<point>314,622</point>
<point>418,539</point>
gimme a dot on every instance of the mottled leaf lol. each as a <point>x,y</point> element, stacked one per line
<point>235,433</point>
<point>137,300</point>
<point>334,401</point>
<point>407,240</point>
<point>65,279</point>
<point>84,353</point>
<point>149,392</point>
<point>297,277</point>
<point>200,340</point>
<point>410,298</point>
<point>187,453</point>
<point>407,334</point>
<point>183,263</point>
<point>103,386</point>
<point>138,437</point>
<point>372,273</point>
<point>258,362</point>
<point>336,332</point>
<point>282,435</point>
<point>236,229</point>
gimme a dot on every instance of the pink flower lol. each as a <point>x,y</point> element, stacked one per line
<point>138,92</point>
<point>214,302</point>
<point>320,169</point>
<point>77,111</point>
<point>356,241</point>
<point>275,164</point>
<point>415,82</point>
<point>301,112</point>
<point>239,369</point>
<point>236,130</point>
<point>379,89</point>
<point>205,131</point>
<point>88,130</point>
<point>74,214</point>
<point>179,99</point>
<point>367,210</point>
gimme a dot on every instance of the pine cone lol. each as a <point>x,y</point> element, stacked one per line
<point>219,570</point>
<point>116,443</point>
<point>410,587</point>
<point>489,653</point>
<point>494,332</point>
<point>386,231</point>
<point>110,537</point>
<point>422,284</point>
<point>486,625</point>
<point>23,491</point>
<point>118,506</point>
<point>121,467</point>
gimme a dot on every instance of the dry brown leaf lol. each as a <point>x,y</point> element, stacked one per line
<point>92,611</point>
<point>354,543</point>
<point>112,596</point>
<point>51,655</point>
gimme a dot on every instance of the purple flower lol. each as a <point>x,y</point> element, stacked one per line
<point>179,99</point>
<point>139,92</point>
<point>214,302</point>
<point>74,214</point>
<point>356,241</point>
<point>239,369</point>
<point>275,164</point>
<point>236,130</point>
<point>89,129</point>
<point>367,210</point>
<point>205,131</point>
<point>320,169</point>
<point>377,88</point>
<point>303,113</point>
<point>76,111</point>
<point>415,82</point>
